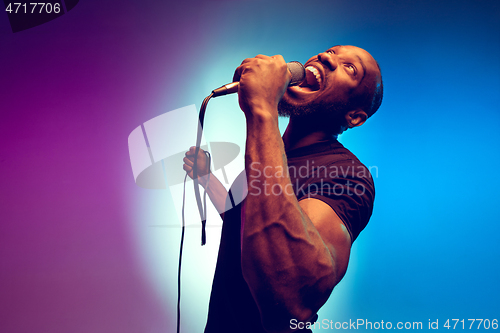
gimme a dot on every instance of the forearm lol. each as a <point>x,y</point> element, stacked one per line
<point>284,260</point>
<point>216,192</point>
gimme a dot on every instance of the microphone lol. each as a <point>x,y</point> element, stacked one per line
<point>295,68</point>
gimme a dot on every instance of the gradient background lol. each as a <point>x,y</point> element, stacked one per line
<point>82,248</point>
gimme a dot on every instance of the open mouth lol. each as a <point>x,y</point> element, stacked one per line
<point>313,79</point>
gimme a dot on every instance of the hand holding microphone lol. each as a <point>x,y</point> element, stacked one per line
<point>295,68</point>
<point>262,81</point>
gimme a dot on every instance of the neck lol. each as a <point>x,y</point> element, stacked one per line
<point>301,133</point>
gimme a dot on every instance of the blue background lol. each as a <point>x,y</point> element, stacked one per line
<point>80,246</point>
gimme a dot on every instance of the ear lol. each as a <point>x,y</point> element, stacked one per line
<point>355,118</point>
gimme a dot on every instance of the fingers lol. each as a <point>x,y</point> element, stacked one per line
<point>189,162</point>
<point>237,72</point>
<point>278,57</point>
<point>189,170</point>
<point>245,63</point>
<point>192,150</point>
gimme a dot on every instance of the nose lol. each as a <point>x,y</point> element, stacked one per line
<point>328,59</point>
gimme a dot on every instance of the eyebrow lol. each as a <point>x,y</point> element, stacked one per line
<point>360,61</point>
<point>362,65</point>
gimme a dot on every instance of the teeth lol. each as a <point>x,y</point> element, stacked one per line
<point>315,72</point>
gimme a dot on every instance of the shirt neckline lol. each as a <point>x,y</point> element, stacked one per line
<point>314,148</point>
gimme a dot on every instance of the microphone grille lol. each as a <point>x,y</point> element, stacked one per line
<point>298,72</point>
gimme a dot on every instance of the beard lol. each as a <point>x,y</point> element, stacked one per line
<point>321,113</point>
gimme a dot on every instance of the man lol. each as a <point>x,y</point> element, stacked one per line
<point>286,246</point>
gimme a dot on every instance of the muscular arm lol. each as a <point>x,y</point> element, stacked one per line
<point>293,253</point>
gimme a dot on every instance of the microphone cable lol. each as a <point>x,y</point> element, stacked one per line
<point>183,229</point>
<point>202,210</point>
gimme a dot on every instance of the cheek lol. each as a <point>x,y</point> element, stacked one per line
<point>344,88</point>
<point>347,81</point>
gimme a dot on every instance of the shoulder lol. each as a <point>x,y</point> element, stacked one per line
<point>332,230</point>
<point>337,177</point>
